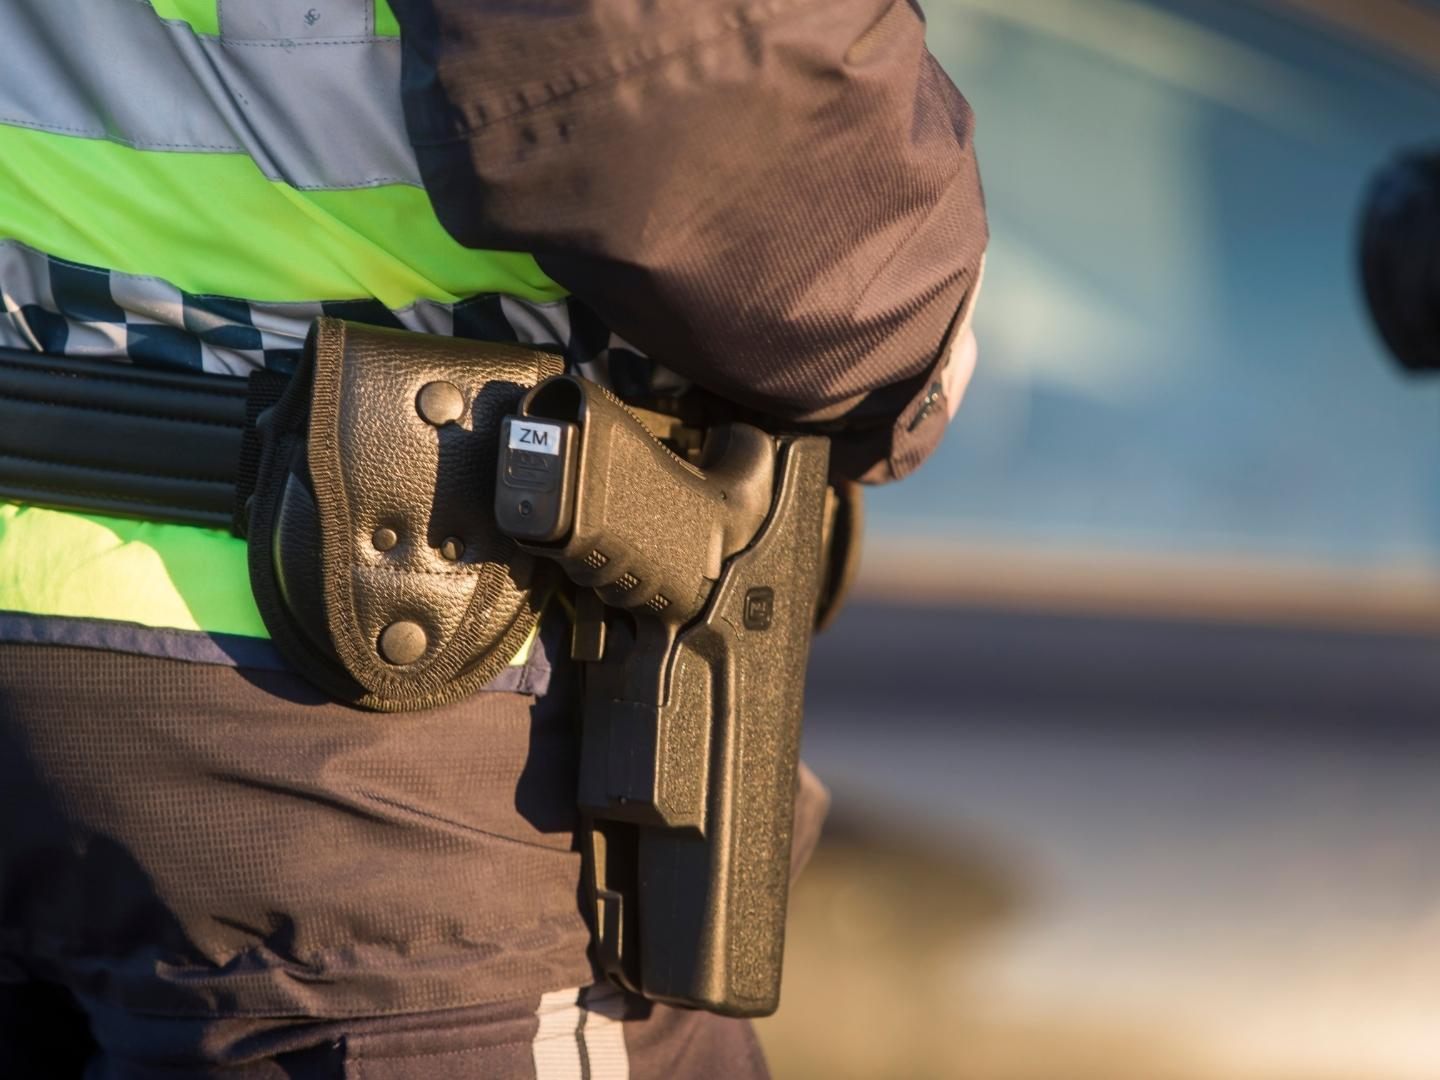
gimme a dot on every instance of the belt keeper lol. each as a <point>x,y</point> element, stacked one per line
<point>262,390</point>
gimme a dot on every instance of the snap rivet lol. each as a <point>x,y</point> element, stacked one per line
<point>403,643</point>
<point>440,403</point>
<point>385,538</point>
<point>452,548</point>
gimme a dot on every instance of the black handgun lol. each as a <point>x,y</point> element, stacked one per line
<point>707,577</point>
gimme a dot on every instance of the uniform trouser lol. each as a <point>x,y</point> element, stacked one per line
<point>208,870</point>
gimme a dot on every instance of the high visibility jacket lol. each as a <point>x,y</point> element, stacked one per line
<point>776,198</point>
<point>186,188</point>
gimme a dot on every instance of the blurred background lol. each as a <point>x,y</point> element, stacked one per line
<point>1133,729</point>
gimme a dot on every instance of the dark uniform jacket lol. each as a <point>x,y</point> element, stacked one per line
<point>777,198</point>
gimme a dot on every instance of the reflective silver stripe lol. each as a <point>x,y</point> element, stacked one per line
<point>313,112</point>
<point>536,322</point>
<point>580,1036</point>
<point>279,20</point>
<point>604,1034</point>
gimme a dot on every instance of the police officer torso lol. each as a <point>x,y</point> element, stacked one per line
<point>186,186</point>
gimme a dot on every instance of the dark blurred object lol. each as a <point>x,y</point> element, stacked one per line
<point>1400,257</point>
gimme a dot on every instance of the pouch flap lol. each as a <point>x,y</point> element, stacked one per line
<point>422,598</point>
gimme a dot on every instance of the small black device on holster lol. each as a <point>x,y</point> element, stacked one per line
<point>700,585</point>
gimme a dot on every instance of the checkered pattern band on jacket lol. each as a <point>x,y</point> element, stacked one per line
<point>64,308</point>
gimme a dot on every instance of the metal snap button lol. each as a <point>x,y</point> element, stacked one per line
<point>440,403</point>
<point>403,643</point>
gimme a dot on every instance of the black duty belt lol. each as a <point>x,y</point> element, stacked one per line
<point>113,438</point>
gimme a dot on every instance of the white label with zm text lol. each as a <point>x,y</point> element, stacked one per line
<point>537,438</point>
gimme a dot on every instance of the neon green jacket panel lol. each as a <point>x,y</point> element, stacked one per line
<point>203,16</point>
<point>165,200</point>
<point>99,567</point>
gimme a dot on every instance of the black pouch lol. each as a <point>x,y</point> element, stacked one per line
<point>374,555</point>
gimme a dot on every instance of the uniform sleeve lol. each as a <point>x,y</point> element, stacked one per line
<point>777,199</point>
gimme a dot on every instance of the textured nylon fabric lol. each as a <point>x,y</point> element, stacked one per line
<point>218,868</point>
<point>776,198</point>
<point>186,839</point>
